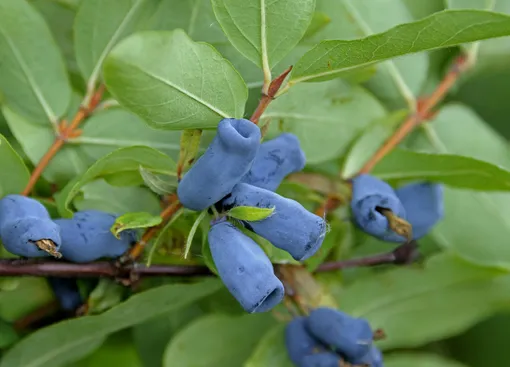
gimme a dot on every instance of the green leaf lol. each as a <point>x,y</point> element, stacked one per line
<point>194,91</point>
<point>271,350</point>
<point>105,295</point>
<point>134,220</point>
<point>14,174</point>
<point>369,141</point>
<point>8,335</point>
<point>30,295</point>
<point>250,213</point>
<point>161,184</point>
<point>475,225</point>
<point>323,115</point>
<point>120,161</point>
<point>192,232</point>
<point>452,170</point>
<point>99,195</point>
<point>69,340</point>
<point>98,26</point>
<point>453,293</point>
<point>203,343</point>
<point>33,78</point>
<point>36,139</point>
<point>162,236</point>
<point>448,28</point>
<point>116,128</point>
<point>318,22</point>
<point>419,360</point>
<point>189,144</point>
<point>264,31</point>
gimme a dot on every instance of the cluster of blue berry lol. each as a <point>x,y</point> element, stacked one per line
<point>237,170</point>
<point>328,337</point>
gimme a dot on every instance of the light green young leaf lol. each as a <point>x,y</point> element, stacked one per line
<point>271,350</point>
<point>134,220</point>
<point>161,184</point>
<point>455,293</point>
<point>120,161</point>
<point>324,116</point>
<point>33,78</point>
<point>419,360</point>
<point>68,341</point>
<point>189,144</point>
<point>14,174</point>
<point>250,213</point>
<point>448,28</point>
<point>194,91</point>
<point>264,31</point>
<point>98,26</point>
<point>202,343</point>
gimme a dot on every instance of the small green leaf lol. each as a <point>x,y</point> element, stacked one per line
<point>82,335</point>
<point>452,170</point>
<point>161,184</point>
<point>202,343</point>
<point>14,174</point>
<point>330,58</point>
<point>33,78</point>
<point>194,91</point>
<point>271,350</point>
<point>134,220</point>
<point>190,142</point>
<point>264,31</point>
<point>120,161</point>
<point>161,235</point>
<point>105,295</point>
<point>192,232</point>
<point>250,213</point>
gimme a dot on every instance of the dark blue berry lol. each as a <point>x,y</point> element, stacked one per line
<point>299,343</point>
<point>324,359</point>
<point>67,292</point>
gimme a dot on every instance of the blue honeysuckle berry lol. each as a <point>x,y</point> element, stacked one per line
<point>276,159</point>
<point>374,358</point>
<point>369,195</point>
<point>86,237</point>
<point>225,162</point>
<point>324,359</point>
<point>299,342</point>
<point>244,268</point>
<point>291,227</point>
<point>350,337</point>
<point>423,203</point>
<point>67,292</point>
<point>23,222</point>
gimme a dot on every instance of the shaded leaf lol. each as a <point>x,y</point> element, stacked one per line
<point>189,144</point>
<point>318,22</point>
<point>8,335</point>
<point>419,360</point>
<point>448,28</point>
<point>271,350</point>
<point>196,90</point>
<point>105,295</point>
<point>250,213</point>
<point>29,295</point>
<point>14,174</point>
<point>134,220</point>
<point>33,78</point>
<point>70,340</point>
<point>161,184</point>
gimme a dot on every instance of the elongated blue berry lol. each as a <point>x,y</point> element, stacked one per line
<point>351,337</point>
<point>423,203</point>
<point>225,162</point>
<point>299,342</point>
<point>276,159</point>
<point>86,237</point>
<point>244,268</point>
<point>67,292</point>
<point>369,197</point>
<point>26,228</point>
<point>291,227</point>
<point>373,358</point>
<point>324,359</point>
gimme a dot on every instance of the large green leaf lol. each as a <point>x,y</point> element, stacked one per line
<point>98,26</point>
<point>475,225</point>
<point>271,350</point>
<point>447,28</point>
<point>453,293</point>
<point>124,160</point>
<point>264,31</point>
<point>217,340</point>
<point>13,172</point>
<point>33,79</point>
<point>195,90</point>
<point>71,340</point>
<point>419,360</point>
<point>324,116</point>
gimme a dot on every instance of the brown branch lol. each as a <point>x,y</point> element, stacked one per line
<point>422,114</point>
<point>266,98</point>
<point>65,132</point>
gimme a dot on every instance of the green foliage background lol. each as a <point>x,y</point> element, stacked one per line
<point>170,65</point>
